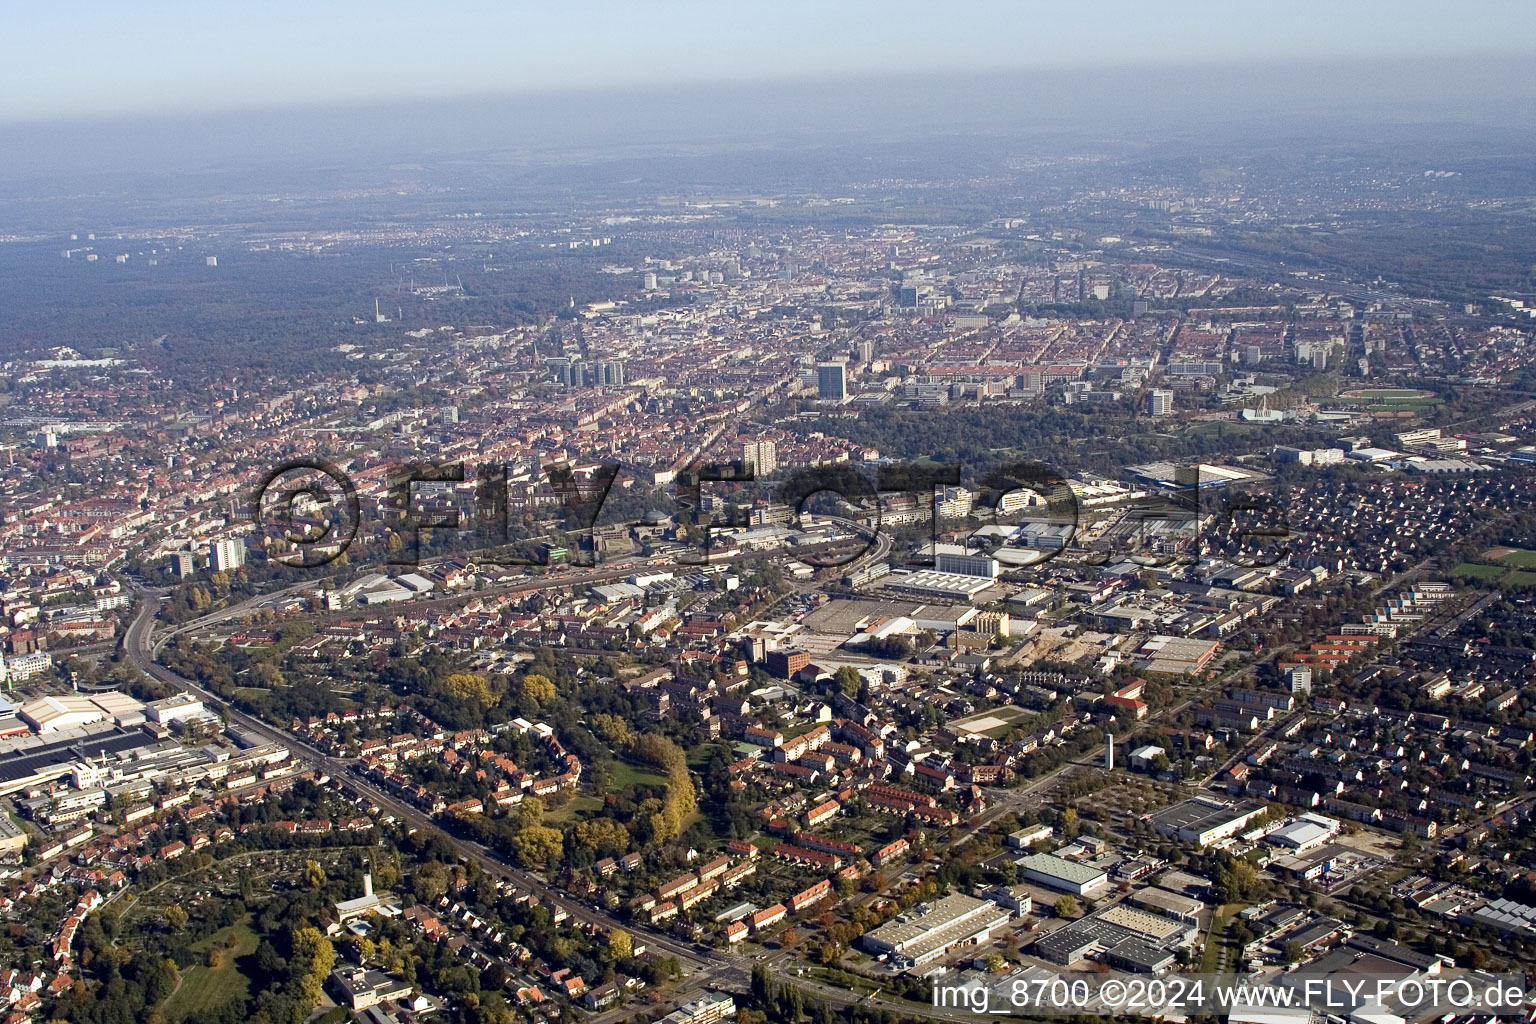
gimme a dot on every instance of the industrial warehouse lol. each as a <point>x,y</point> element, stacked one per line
<point>1132,940</point>
<point>1060,873</point>
<point>928,931</point>
<point>1204,821</point>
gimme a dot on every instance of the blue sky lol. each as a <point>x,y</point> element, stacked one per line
<point>88,59</point>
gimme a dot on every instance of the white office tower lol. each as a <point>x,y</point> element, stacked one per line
<point>226,555</point>
<point>1300,678</point>
<point>761,457</point>
<point>1159,402</point>
<point>184,564</point>
<point>832,381</point>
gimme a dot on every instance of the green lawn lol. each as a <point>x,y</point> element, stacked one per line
<point>622,774</point>
<point>203,989</point>
<point>1520,578</point>
<point>1476,571</point>
<point>1218,946</point>
<point>576,807</point>
<point>1399,393</point>
<point>699,757</point>
<point>1520,558</point>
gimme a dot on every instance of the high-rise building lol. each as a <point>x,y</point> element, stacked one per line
<point>1159,402</point>
<point>613,373</point>
<point>1300,679</point>
<point>761,457</point>
<point>226,555</point>
<point>185,567</point>
<point>832,381</point>
<point>866,351</point>
<point>448,414</point>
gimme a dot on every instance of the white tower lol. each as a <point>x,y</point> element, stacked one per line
<point>1109,752</point>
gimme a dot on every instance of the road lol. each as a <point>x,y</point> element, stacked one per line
<point>709,969</point>
<point>139,645</point>
<point>727,971</point>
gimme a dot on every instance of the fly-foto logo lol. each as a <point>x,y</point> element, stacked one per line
<point>1025,513</point>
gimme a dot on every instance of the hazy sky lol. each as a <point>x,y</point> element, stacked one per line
<point>87,59</point>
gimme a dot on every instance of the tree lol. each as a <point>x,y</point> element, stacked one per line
<point>1067,907</point>
<point>602,833</point>
<point>525,813</point>
<point>312,960</point>
<point>1239,881</point>
<point>539,689</point>
<point>537,845</point>
<point>612,729</point>
<point>314,874</point>
<point>619,944</point>
<point>1293,952</point>
<point>175,917</point>
<point>848,681</point>
<point>468,686</point>
<point>429,882</point>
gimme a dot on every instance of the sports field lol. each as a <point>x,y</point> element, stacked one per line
<point>1387,394</point>
<point>1510,567</point>
<point>993,723</point>
<point>1520,558</point>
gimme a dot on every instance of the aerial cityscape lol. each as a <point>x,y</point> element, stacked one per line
<point>908,566</point>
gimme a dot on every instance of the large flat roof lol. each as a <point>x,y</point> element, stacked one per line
<point>914,923</point>
<point>1059,867</point>
<point>59,755</point>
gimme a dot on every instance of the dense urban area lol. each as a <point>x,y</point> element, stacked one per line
<point>762,604</point>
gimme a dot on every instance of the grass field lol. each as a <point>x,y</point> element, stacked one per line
<point>1385,394</point>
<point>1513,567</point>
<point>624,774</point>
<point>1520,558</point>
<point>203,989</point>
<point>576,807</point>
<point>1221,952</point>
